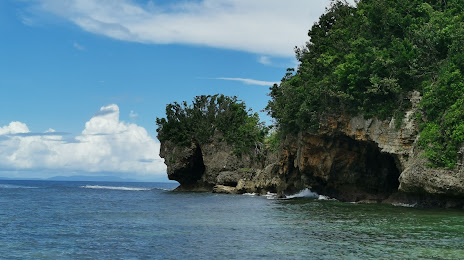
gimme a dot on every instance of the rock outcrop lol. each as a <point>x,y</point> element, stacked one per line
<point>348,158</point>
<point>357,159</point>
<point>213,166</point>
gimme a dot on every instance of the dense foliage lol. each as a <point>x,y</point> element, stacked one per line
<point>210,114</point>
<point>366,59</point>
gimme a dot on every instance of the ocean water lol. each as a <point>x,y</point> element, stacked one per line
<point>103,220</point>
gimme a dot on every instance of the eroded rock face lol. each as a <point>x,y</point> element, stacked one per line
<point>184,164</point>
<point>340,167</point>
<point>357,159</point>
<point>214,167</point>
<point>419,179</point>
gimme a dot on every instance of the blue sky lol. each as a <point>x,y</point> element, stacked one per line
<point>82,81</point>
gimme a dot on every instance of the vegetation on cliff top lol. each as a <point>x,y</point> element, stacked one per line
<point>207,115</point>
<point>366,59</point>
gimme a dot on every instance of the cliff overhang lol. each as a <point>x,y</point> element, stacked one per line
<point>369,160</point>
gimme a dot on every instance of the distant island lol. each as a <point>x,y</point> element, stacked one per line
<point>373,113</point>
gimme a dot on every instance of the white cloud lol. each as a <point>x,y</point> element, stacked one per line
<point>14,128</point>
<point>251,81</point>
<point>105,145</point>
<point>265,60</point>
<point>133,115</point>
<point>268,27</point>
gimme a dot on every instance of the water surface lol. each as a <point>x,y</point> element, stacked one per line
<point>103,220</point>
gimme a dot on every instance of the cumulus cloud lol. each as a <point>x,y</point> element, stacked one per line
<point>251,81</point>
<point>268,27</point>
<point>14,128</point>
<point>105,145</point>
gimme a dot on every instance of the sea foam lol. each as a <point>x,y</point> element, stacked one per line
<point>406,205</point>
<point>270,195</point>
<point>114,188</point>
<point>10,186</point>
<point>306,193</point>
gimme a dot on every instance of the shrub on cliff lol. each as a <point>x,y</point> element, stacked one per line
<point>365,60</point>
<point>239,126</point>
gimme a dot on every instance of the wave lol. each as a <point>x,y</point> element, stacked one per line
<point>404,205</point>
<point>270,195</point>
<point>114,188</point>
<point>11,186</point>
<point>323,197</point>
<point>306,193</point>
<point>163,189</point>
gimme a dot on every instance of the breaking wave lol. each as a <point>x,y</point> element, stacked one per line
<point>323,197</point>
<point>114,188</point>
<point>10,186</point>
<point>306,193</point>
<point>270,195</point>
<point>404,205</point>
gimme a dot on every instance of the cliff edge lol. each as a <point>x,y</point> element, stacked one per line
<point>368,160</point>
<point>213,166</point>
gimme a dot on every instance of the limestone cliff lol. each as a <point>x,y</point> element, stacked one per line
<point>213,166</point>
<point>348,158</point>
<point>357,159</point>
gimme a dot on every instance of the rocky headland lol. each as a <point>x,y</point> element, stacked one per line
<point>348,158</point>
<point>374,112</point>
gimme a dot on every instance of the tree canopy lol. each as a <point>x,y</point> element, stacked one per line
<point>366,59</point>
<point>198,122</point>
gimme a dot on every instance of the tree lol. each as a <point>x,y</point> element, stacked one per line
<point>199,121</point>
<point>366,59</point>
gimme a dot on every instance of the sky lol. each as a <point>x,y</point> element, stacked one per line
<point>82,81</point>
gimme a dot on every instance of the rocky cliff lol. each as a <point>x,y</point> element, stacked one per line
<point>357,159</point>
<point>348,158</point>
<point>213,166</point>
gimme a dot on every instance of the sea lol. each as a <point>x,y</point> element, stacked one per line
<point>118,220</point>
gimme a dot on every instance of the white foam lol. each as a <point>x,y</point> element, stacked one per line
<point>163,189</point>
<point>404,205</point>
<point>323,197</point>
<point>271,196</point>
<point>114,188</point>
<point>306,193</point>
<point>250,194</point>
<point>10,186</point>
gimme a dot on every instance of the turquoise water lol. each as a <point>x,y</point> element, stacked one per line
<point>102,220</point>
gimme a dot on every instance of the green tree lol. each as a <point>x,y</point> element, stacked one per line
<point>366,59</point>
<point>198,122</point>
